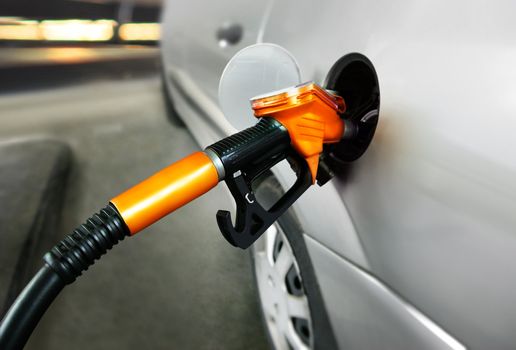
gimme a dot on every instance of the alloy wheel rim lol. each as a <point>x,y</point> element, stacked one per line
<point>283,298</point>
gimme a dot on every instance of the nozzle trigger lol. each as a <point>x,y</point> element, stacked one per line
<point>251,218</point>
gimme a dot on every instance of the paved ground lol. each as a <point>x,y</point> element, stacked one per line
<point>178,285</point>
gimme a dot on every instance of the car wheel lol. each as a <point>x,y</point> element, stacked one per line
<point>293,312</point>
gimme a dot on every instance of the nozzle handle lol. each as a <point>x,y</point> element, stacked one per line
<point>245,156</point>
<point>251,218</point>
<point>253,148</point>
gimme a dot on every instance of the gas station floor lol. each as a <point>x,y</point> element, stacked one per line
<point>178,284</point>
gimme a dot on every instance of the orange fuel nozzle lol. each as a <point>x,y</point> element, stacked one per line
<point>311,116</point>
<point>294,124</point>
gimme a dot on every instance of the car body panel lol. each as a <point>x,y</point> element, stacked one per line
<point>433,198</point>
<point>372,316</point>
<point>194,25</point>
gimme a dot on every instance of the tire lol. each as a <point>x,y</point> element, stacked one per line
<point>316,331</point>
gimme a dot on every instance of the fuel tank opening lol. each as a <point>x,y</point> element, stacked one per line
<point>354,78</point>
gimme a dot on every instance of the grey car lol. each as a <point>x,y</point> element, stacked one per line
<point>411,246</point>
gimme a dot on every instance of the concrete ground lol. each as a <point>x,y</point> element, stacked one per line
<point>178,284</point>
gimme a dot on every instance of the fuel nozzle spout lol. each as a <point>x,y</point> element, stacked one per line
<point>311,115</point>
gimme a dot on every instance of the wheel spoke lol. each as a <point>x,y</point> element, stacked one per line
<point>283,262</point>
<point>297,306</point>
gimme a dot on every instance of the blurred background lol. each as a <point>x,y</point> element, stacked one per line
<point>38,36</point>
<point>83,116</point>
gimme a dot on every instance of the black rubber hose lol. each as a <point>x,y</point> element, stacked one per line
<point>63,264</point>
<point>79,250</point>
<point>28,308</point>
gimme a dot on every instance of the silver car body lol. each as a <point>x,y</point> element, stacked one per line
<point>415,249</point>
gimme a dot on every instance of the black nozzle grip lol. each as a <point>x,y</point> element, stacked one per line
<point>253,148</point>
<point>251,218</point>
